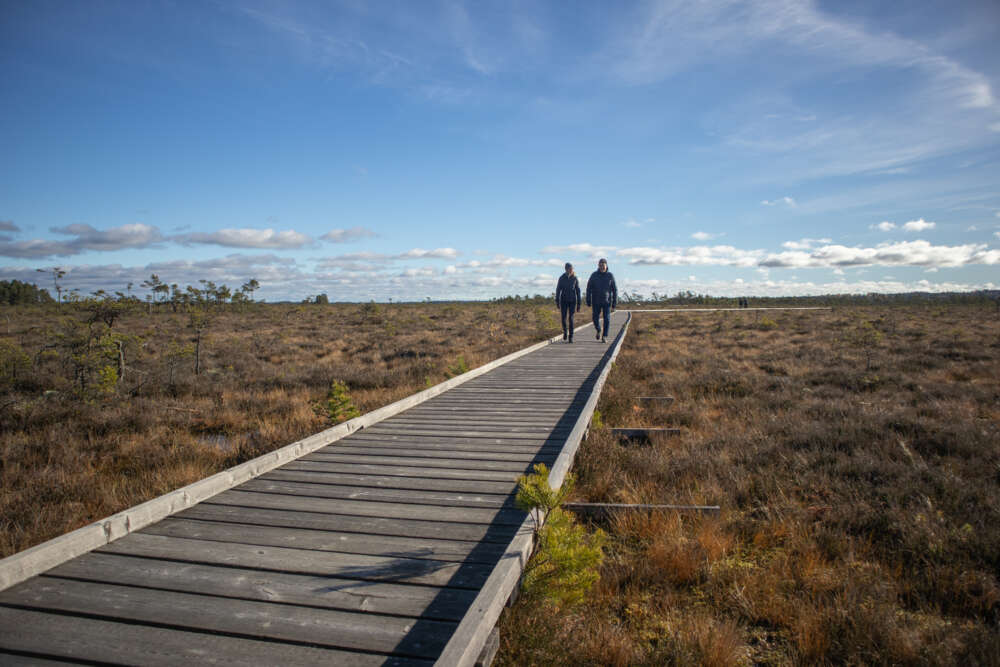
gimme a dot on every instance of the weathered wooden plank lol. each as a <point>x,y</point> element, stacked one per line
<point>483,401</point>
<point>511,434</point>
<point>384,468</point>
<point>302,472</point>
<point>102,641</point>
<point>454,464</point>
<point>522,422</point>
<point>418,452</point>
<point>396,569</point>
<point>331,628</point>
<point>458,551</point>
<point>15,660</point>
<point>536,443</point>
<point>295,503</point>
<point>441,530</point>
<point>309,590</point>
<point>421,443</point>
<point>410,496</point>
<point>450,407</point>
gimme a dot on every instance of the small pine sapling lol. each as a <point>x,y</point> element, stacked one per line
<point>338,403</point>
<point>568,558</point>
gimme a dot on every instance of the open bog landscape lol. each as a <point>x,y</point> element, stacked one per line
<point>96,418</point>
<point>855,455</point>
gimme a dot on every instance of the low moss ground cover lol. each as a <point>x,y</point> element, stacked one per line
<point>856,456</point>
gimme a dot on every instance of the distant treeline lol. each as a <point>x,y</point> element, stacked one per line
<point>14,292</point>
<point>633,299</point>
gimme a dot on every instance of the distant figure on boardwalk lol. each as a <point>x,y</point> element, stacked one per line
<point>568,300</point>
<point>602,295</point>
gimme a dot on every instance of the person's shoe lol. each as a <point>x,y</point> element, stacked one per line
<point>597,336</point>
<point>564,335</point>
<point>604,339</point>
<point>571,339</point>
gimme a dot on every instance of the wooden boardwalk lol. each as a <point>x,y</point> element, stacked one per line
<point>389,546</point>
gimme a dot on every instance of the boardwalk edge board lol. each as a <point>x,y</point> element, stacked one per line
<point>474,630</point>
<point>39,558</point>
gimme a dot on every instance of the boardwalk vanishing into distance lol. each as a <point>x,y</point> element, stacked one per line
<point>397,544</point>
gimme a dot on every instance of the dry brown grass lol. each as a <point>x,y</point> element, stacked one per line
<point>71,455</point>
<point>856,456</point>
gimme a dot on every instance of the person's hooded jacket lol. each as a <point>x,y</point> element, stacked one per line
<point>568,291</point>
<point>601,289</point>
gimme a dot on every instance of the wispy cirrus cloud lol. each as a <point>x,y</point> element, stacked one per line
<point>85,238</point>
<point>347,235</point>
<point>375,261</point>
<point>884,226</point>
<point>246,238</point>
<point>503,261</point>
<point>945,106</point>
<point>593,251</point>
<point>787,201</point>
<point>706,236</point>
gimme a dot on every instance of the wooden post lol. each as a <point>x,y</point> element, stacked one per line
<point>605,509</point>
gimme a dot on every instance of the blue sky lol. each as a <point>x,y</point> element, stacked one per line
<point>466,150</point>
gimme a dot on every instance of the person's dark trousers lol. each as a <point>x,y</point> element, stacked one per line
<point>606,309</point>
<point>567,310</point>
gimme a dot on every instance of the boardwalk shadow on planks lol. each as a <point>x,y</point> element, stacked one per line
<point>484,552</point>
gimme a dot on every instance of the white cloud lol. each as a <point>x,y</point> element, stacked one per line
<point>705,236</point>
<point>247,238</point>
<point>910,253</point>
<point>420,253</point>
<point>579,249</point>
<point>918,225</point>
<point>972,228</point>
<point>787,201</point>
<point>415,273</point>
<point>803,244</point>
<point>721,255</point>
<point>87,238</point>
<point>503,261</point>
<point>996,234</point>
<point>8,226</point>
<point>884,226</point>
<point>347,235</point>
<point>631,224</point>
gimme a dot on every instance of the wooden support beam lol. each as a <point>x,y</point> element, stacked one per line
<point>601,509</point>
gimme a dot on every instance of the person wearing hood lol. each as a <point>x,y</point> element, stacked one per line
<point>602,295</point>
<point>568,300</point>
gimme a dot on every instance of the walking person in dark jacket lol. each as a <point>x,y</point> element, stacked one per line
<point>568,299</point>
<point>602,295</point>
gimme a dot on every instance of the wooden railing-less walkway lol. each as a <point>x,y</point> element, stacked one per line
<point>397,544</point>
